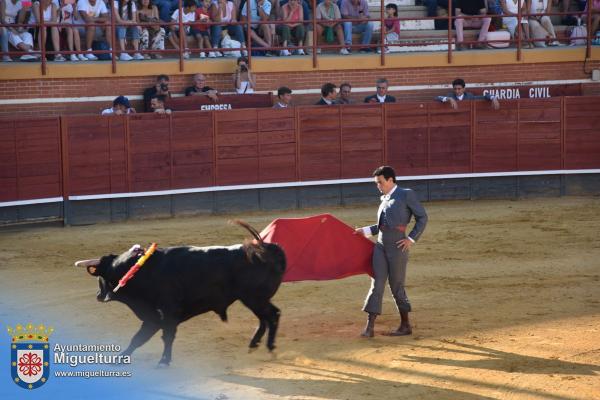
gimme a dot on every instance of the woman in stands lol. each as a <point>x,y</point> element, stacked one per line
<point>189,15</point>
<point>293,14</point>
<point>227,14</point>
<point>510,8</point>
<point>148,13</point>
<point>541,25</point>
<point>125,13</point>
<point>69,15</point>
<point>49,11</point>
<point>391,25</point>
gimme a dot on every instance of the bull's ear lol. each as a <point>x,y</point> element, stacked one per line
<point>92,270</point>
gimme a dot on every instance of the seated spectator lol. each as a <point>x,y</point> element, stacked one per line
<point>284,97</point>
<point>189,15</point>
<point>260,10</point>
<point>432,11</point>
<point>69,15</point>
<point>202,31</point>
<point>199,89</point>
<point>459,94</point>
<point>357,9</point>
<point>126,20</point>
<point>120,106</point>
<point>381,95</point>
<point>391,26</point>
<point>49,12</point>
<point>243,78</point>
<point>94,12</point>
<point>327,95</point>
<point>161,88</point>
<point>228,14</point>
<point>595,17</point>
<point>566,7</point>
<point>293,13</point>
<point>541,25</point>
<point>152,36</point>
<point>345,90</point>
<point>466,8</point>
<point>166,8</point>
<point>510,8</point>
<point>4,40</point>
<point>157,104</point>
<point>327,12</point>
<point>11,12</point>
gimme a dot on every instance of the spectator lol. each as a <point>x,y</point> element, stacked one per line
<point>595,17</point>
<point>126,20</point>
<point>284,96</point>
<point>510,8</point>
<point>391,26</point>
<point>566,7</point>
<point>329,12</point>
<point>294,15</point>
<point>189,15</point>
<point>327,95</point>
<point>432,11</point>
<point>148,13</point>
<point>228,15</point>
<point>69,15</point>
<point>541,25</point>
<point>161,88</point>
<point>459,94</point>
<point>243,79</point>
<point>260,10</point>
<point>94,12</point>
<point>11,11</point>
<point>199,89</point>
<point>466,8</point>
<point>4,39</point>
<point>357,9</point>
<point>120,106</point>
<point>157,104</point>
<point>49,12</point>
<point>381,95</point>
<point>201,31</point>
<point>344,97</point>
<point>166,8</point>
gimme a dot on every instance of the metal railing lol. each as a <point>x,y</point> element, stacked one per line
<point>248,24</point>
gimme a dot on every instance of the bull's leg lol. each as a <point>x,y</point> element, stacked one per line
<point>273,320</point>
<point>169,330</point>
<point>146,331</point>
<point>259,311</point>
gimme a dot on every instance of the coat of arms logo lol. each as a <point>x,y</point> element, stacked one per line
<point>30,355</point>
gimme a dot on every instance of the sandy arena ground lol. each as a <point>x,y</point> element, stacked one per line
<point>506,297</point>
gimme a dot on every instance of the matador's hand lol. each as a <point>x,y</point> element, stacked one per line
<point>404,244</point>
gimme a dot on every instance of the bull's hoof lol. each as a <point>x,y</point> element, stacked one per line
<point>162,364</point>
<point>271,347</point>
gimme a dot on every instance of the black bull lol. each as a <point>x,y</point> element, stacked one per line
<point>178,283</point>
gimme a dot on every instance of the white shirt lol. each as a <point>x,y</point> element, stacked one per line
<point>93,11</point>
<point>189,17</point>
<point>11,10</point>
<point>381,99</point>
<point>367,229</point>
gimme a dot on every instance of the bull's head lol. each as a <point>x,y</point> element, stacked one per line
<point>109,269</point>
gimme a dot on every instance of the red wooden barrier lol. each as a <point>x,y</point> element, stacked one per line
<point>30,159</point>
<point>149,152</point>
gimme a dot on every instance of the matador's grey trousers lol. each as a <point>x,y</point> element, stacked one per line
<point>389,264</point>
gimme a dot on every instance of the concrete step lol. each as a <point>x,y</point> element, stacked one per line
<point>410,25</point>
<point>403,12</point>
<point>399,3</point>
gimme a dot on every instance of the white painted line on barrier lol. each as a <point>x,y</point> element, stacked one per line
<point>34,201</point>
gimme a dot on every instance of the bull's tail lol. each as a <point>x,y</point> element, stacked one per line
<point>250,229</point>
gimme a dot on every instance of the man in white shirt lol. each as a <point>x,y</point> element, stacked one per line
<point>120,106</point>
<point>381,95</point>
<point>94,12</point>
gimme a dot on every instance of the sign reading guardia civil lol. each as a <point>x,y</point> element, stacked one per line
<point>30,355</point>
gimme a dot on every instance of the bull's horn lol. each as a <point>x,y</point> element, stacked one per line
<point>87,263</point>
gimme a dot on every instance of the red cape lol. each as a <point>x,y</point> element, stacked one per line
<point>320,248</point>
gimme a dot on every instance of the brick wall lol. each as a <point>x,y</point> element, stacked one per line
<point>113,86</point>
